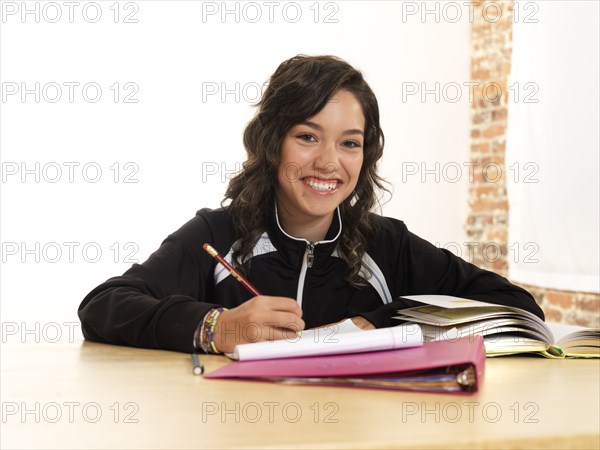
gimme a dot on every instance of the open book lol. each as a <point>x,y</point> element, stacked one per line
<point>340,338</point>
<point>506,330</point>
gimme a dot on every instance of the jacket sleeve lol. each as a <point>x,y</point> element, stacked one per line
<point>159,303</point>
<point>423,268</point>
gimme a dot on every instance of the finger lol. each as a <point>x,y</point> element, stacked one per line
<point>277,334</point>
<point>283,304</point>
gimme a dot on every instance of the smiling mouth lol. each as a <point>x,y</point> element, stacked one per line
<point>321,185</point>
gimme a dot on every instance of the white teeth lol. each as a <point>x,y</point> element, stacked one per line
<point>321,186</point>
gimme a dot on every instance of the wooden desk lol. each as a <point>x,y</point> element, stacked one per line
<point>87,395</point>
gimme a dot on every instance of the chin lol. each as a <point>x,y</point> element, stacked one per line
<point>320,211</point>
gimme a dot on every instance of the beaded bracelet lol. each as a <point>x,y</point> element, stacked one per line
<point>207,331</point>
<point>197,334</point>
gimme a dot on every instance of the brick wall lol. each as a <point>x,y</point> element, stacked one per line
<point>487,221</point>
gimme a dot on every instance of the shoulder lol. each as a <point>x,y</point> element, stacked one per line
<point>388,227</point>
<point>395,234</point>
<point>388,238</point>
<point>208,225</point>
<point>214,217</point>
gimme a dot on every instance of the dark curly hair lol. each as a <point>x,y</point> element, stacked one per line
<point>298,90</point>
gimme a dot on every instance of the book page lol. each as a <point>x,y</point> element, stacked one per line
<point>448,301</point>
<point>564,333</point>
<point>560,330</point>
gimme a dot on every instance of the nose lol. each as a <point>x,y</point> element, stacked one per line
<point>326,163</point>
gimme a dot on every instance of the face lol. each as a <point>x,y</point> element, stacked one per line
<point>321,160</point>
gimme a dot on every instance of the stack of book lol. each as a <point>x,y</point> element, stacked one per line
<point>506,330</point>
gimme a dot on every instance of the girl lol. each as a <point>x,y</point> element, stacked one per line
<point>298,225</point>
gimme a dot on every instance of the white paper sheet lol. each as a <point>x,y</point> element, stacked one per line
<point>331,341</point>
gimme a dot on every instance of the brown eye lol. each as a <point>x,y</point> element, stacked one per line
<point>306,137</point>
<point>352,144</point>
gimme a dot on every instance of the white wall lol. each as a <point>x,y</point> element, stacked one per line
<point>174,139</point>
<point>553,139</point>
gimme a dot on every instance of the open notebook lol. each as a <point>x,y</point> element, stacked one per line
<point>506,330</point>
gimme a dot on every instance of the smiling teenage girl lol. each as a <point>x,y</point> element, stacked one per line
<point>298,225</point>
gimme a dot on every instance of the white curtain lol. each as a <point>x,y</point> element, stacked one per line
<point>552,147</point>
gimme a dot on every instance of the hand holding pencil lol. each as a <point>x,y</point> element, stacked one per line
<point>262,318</point>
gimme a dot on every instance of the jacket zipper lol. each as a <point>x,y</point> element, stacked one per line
<point>307,262</point>
<point>310,254</point>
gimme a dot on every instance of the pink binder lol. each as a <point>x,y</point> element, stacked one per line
<point>445,366</point>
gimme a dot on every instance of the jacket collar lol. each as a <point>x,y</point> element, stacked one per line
<point>293,248</point>
<point>329,237</point>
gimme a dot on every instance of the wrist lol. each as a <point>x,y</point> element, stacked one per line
<point>207,331</point>
<point>198,344</point>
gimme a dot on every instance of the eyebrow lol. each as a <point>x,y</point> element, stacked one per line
<point>318,127</point>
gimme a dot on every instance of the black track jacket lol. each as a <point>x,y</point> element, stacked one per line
<point>159,304</point>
